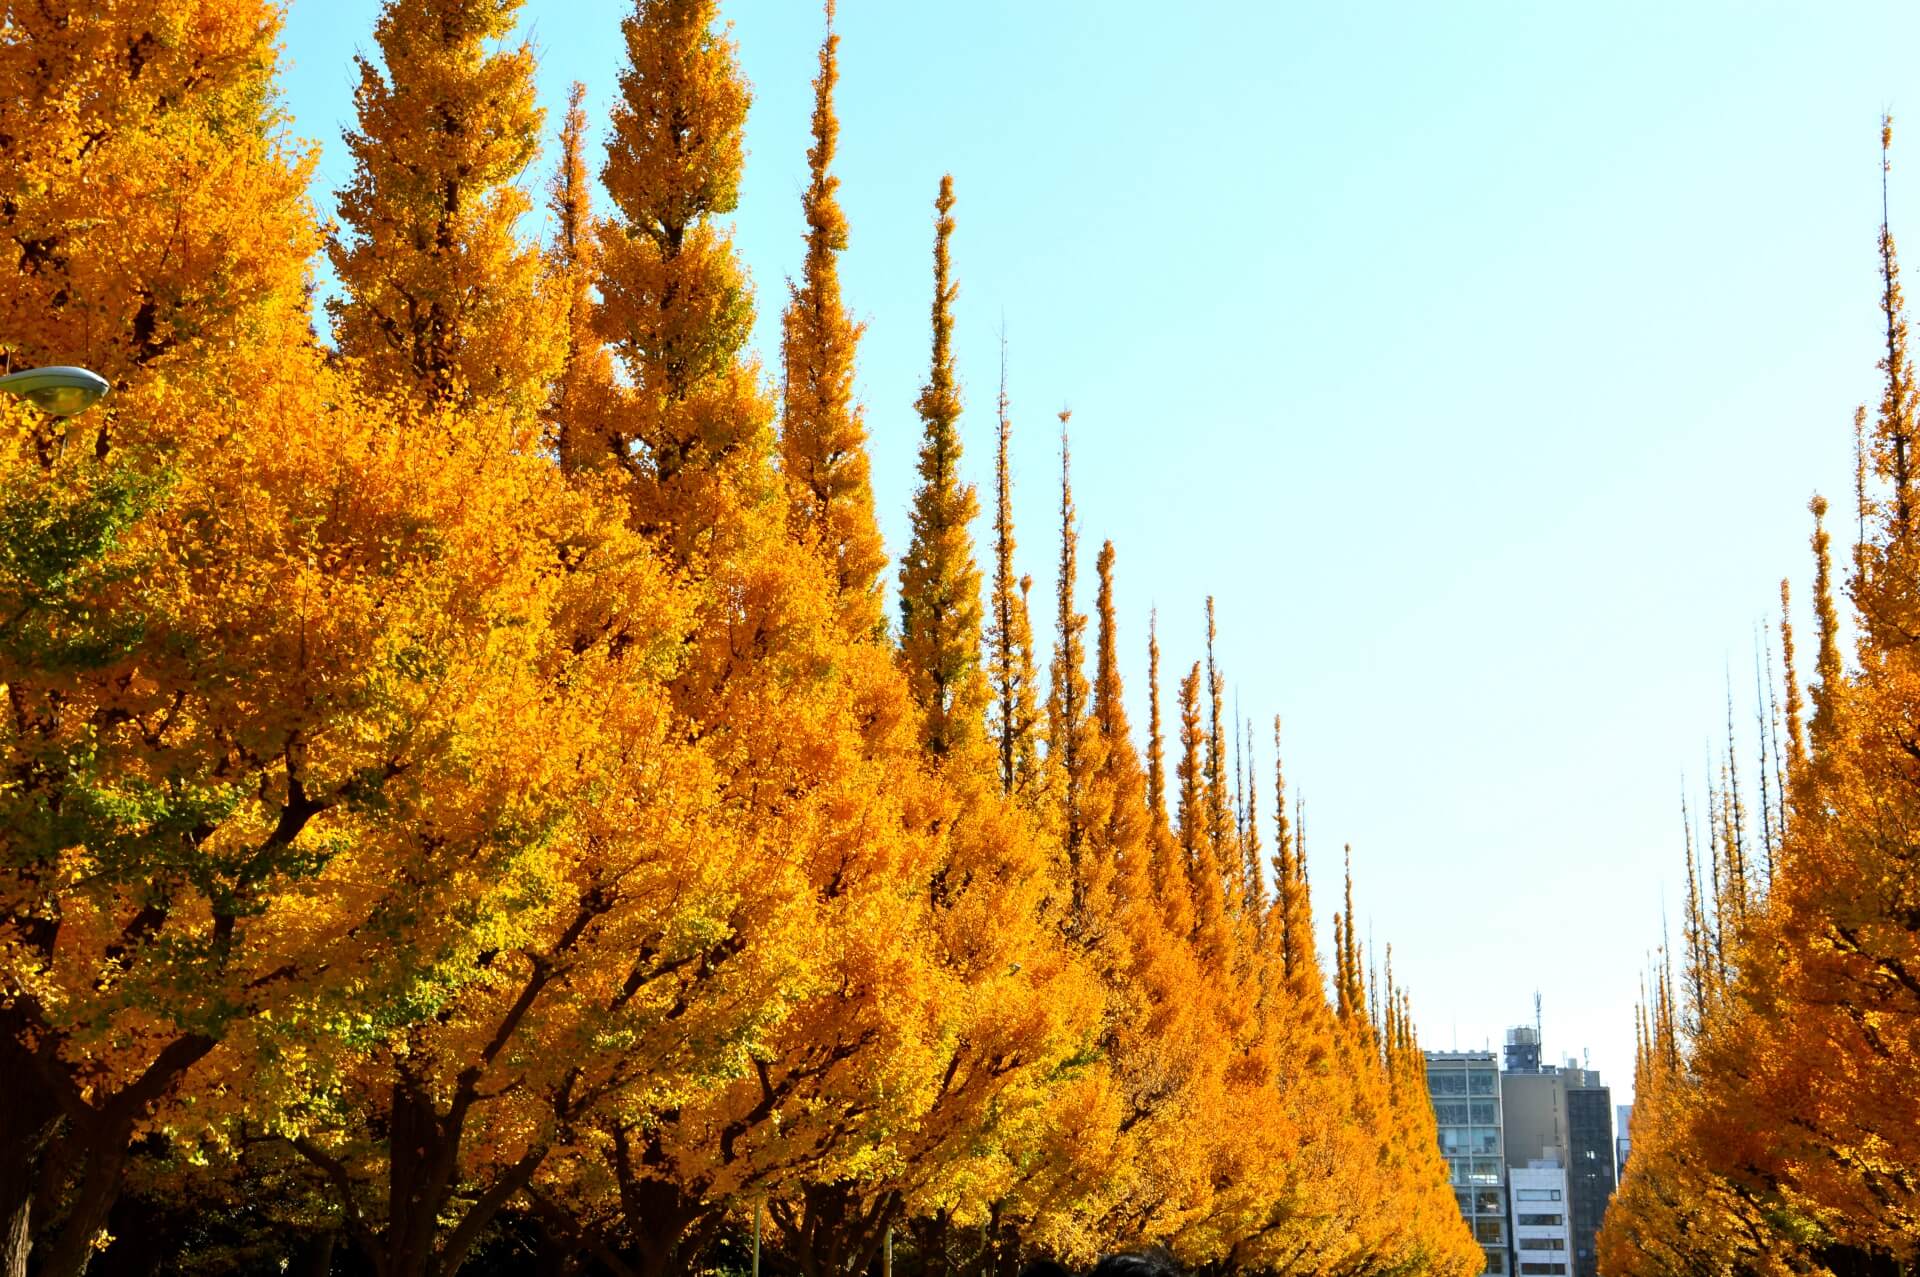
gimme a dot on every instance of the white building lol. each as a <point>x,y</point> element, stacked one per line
<point>1542,1237</point>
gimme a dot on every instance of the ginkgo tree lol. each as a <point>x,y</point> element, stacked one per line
<point>1777,1125</point>
<point>466,792</point>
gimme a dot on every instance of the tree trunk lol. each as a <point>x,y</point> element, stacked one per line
<point>94,1140</point>
<point>104,1157</point>
<point>316,1258</point>
<point>28,1119</point>
<point>423,1154</point>
<point>838,1232</point>
<point>930,1238</point>
<point>23,1134</point>
<point>1006,1254</point>
<point>423,1170</point>
<point>669,1227</point>
<point>25,1129</point>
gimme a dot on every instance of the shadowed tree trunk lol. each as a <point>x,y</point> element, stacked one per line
<point>28,1119</point>
<point>835,1230</point>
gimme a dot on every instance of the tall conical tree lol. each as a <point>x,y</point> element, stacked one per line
<point>1862,503</point>
<point>1352,971</point>
<point>1014,714</point>
<point>442,300</point>
<point>1158,1037</point>
<point>1884,560</point>
<point>1170,872</point>
<point>1828,690</point>
<point>939,580</point>
<point>1032,769</point>
<point>1291,913</point>
<point>1197,844</point>
<point>1218,807</point>
<point>1795,711</point>
<point>1766,724</point>
<point>1342,984</point>
<point>1253,886</point>
<point>808,731</point>
<point>1699,969</point>
<point>692,435</point>
<point>1893,434</point>
<point>1074,742</point>
<point>581,394</point>
<point>823,438</point>
<point>1130,827</point>
<point>1156,740</point>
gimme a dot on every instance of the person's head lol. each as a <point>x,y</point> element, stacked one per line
<point>1045,1268</point>
<point>1153,1262</point>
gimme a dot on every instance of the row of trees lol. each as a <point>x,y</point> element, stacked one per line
<point>1776,1124</point>
<point>462,802</point>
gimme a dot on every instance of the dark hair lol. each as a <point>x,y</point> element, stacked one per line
<point>1045,1268</point>
<point>1154,1262</point>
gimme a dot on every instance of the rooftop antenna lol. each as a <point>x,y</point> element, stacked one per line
<point>1539,1039</point>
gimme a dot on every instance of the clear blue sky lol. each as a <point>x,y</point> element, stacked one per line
<point>1479,358</point>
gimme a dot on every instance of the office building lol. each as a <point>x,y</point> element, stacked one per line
<point>1622,1120</point>
<point>1542,1238</point>
<point>1465,1086</point>
<point>1533,1116</point>
<point>1590,1173</point>
<point>1532,1123</point>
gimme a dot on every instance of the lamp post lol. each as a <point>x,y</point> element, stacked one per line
<point>60,391</point>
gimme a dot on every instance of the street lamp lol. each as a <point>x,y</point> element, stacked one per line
<point>60,391</point>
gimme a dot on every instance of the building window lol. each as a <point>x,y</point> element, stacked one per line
<point>1487,1202</point>
<point>1484,1114</point>
<point>1451,1112</point>
<point>1540,1221</point>
<point>1486,1141</point>
<point>1544,1269</point>
<point>1489,1231</point>
<point>1543,1243</point>
<point>1536,1194</point>
<point>1496,1261</point>
<point>1481,1081</point>
<point>1487,1170</point>
<point>1452,1083</point>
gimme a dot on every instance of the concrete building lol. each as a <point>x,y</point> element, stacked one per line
<point>1465,1086</point>
<point>1533,1115</point>
<point>1622,1121</point>
<point>1549,1127</point>
<point>1564,1115</point>
<point>1542,1236</point>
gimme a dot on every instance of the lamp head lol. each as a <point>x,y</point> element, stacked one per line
<point>60,391</point>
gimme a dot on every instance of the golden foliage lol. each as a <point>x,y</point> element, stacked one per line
<point>822,438</point>
<point>1776,1123</point>
<point>466,790</point>
<point>939,579</point>
<point>444,304</point>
